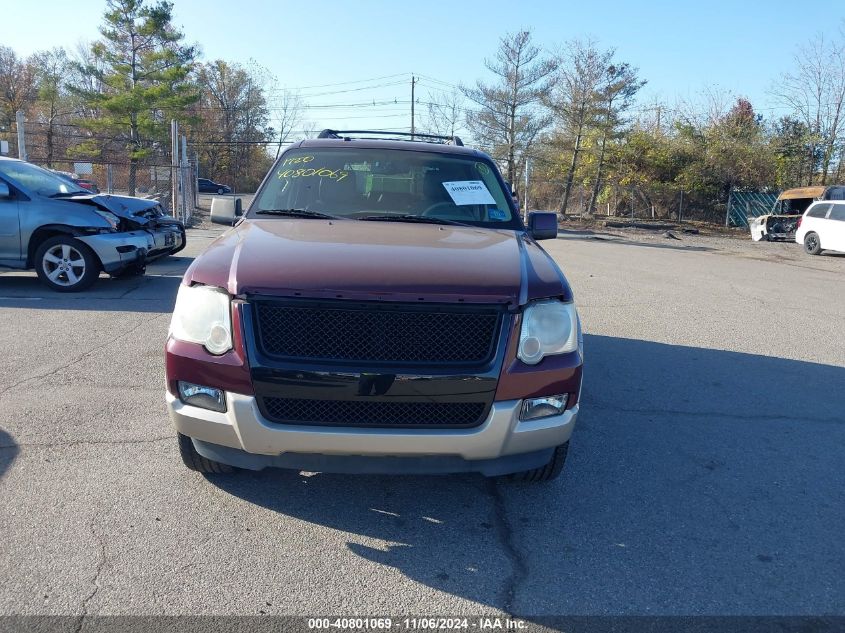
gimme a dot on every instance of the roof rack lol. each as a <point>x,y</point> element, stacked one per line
<point>454,140</point>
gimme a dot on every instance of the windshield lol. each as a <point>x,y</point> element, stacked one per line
<point>38,180</point>
<point>371,184</point>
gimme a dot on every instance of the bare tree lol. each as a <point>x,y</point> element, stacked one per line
<point>575,99</point>
<point>80,81</point>
<point>309,130</point>
<point>815,92</point>
<point>709,106</point>
<point>444,113</point>
<point>17,87</point>
<point>53,104</point>
<point>233,121</point>
<point>511,115</point>
<point>287,108</point>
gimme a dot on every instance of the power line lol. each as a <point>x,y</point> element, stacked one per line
<point>348,90</point>
<point>439,81</point>
<point>342,83</point>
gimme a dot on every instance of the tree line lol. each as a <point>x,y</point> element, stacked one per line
<point>112,101</point>
<point>573,118</point>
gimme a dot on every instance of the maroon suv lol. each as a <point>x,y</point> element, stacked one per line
<point>380,307</point>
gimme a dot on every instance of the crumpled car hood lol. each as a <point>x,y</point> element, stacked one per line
<point>140,210</point>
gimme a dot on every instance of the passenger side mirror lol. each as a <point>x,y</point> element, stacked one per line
<point>226,210</point>
<point>542,225</point>
<point>4,191</point>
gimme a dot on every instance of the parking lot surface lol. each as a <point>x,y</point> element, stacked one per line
<point>705,475</point>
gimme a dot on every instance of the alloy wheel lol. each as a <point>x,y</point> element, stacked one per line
<point>64,265</point>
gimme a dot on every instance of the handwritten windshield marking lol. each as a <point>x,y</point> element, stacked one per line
<point>320,172</point>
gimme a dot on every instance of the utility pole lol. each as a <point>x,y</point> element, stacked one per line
<point>174,167</point>
<point>413,83</point>
<point>183,179</point>
<point>21,136</point>
<point>195,174</point>
<point>525,195</point>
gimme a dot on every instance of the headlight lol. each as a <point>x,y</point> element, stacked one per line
<point>203,315</point>
<point>548,327</point>
<point>111,218</point>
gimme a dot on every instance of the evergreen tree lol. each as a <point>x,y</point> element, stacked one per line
<point>510,117</point>
<point>143,69</point>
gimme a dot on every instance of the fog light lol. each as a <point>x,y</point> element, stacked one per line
<point>534,408</point>
<point>204,397</point>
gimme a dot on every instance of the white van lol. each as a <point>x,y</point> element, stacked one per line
<point>822,227</point>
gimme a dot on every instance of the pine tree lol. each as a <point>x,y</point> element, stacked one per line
<point>509,118</point>
<point>143,69</point>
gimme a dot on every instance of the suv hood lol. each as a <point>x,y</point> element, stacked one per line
<point>378,261</point>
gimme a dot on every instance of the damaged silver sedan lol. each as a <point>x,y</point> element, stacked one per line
<point>69,235</point>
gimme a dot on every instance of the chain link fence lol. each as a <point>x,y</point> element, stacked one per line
<point>152,181</point>
<point>634,203</point>
<point>654,202</point>
<point>746,204</point>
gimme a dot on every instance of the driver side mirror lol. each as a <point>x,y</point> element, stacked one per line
<point>226,210</point>
<point>4,191</point>
<point>542,225</point>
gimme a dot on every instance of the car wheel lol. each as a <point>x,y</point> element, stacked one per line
<point>193,460</point>
<point>220,191</point>
<point>812,244</point>
<point>65,264</point>
<point>544,473</point>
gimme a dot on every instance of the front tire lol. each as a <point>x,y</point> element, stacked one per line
<point>548,472</point>
<point>65,264</point>
<point>220,191</point>
<point>193,460</point>
<point>812,244</point>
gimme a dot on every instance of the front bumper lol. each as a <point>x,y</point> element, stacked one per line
<point>167,239</point>
<point>116,251</point>
<point>243,437</point>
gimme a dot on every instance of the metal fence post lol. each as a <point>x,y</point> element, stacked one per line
<point>174,168</point>
<point>681,207</point>
<point>21,135</point>
<point>728,209</point>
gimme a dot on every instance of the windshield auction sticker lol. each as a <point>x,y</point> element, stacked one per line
<point>468,192</point>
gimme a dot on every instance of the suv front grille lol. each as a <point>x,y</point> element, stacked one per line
<point>399,334</point>
<point>357,413</point>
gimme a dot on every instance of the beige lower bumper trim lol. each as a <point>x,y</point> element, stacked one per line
<point>243,427</point>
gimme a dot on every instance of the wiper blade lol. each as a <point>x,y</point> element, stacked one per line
<point>422,219</point>
<point>298,213</point>
<point>67,194</point>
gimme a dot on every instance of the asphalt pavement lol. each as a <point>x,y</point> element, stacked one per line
<point>705,475</point>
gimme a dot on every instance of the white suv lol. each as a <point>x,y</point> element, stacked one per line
<point>822,227</point>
